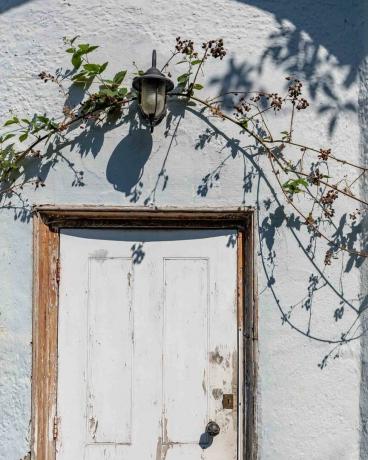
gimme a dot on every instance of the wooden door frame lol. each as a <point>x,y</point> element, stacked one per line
<point>47,222</point>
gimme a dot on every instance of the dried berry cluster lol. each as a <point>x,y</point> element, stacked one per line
<point>257,97</point>
<point>242,108</point>
<point>295,91</point>
<point>327,202</point>
<point>324,154</point>
<point>276,101</point>
<point>185,47</point>
<point>295,88</point>
<point>216,48</point>
<point>302,104</point>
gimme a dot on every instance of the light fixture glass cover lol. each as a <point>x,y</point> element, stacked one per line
<point>152,88</point>
<point>153,95</point>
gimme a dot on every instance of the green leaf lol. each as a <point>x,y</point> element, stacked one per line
<point>293,185</point>
<point>103,67</point>
<point>123,92</point>
<point>23,137</point>
<point>85,48</point>
<point>108,92</point>
<point>92,67</point>
<point>183,78</point>
<point>43,119</point>
<point>7,136</point>
<point>285,135</point>
<point>92,48</point>
<point>80,76</point>
<point>26,121</point>
<point>196,62</point>
<point>198,86</point>
<point>119,77</point>
<point>12,121</point>
<point>70,50</point>
<point>181,62</point>
<point>95,69</point>
<point>53,124</point>
<point>76,60</point>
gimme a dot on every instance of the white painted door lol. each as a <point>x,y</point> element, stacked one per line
<point>147,345</point>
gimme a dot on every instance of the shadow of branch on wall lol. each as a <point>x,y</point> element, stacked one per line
<point>273,220</point>
<point>325,54</point>
<point>124,169</point>
<point>315,41</point>
<point>302,44</point>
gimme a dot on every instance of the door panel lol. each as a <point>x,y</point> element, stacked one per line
<point>110,351</point>
<point>185,352</point>
<point>147,344</point>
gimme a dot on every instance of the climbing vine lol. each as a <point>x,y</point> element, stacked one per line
<point>310,179</point>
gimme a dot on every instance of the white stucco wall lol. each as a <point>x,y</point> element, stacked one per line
<point>303,412</point>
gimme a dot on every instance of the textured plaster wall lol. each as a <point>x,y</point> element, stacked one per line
<point>303,412</point>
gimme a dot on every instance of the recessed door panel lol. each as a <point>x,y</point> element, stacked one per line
<point>185,353</point>
<point>109,350</point>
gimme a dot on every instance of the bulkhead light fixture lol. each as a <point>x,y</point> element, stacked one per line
<point>152,88</point>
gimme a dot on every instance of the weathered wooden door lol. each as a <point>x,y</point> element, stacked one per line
<point>148,345</point>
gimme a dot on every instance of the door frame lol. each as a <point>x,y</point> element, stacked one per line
<point>47,222</point>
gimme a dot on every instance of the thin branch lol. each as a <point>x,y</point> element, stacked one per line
<point>333,187</point>
<point>292,122</point>
<point>74,120</point>
<point>174,53</point>
<point>339,160</point>
<point>271,156</point>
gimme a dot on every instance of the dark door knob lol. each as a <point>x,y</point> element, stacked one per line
<point>212,429</point>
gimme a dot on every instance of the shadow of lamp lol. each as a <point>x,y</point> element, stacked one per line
<point>152,88</point>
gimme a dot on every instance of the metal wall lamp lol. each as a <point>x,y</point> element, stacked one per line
<point>152,88</point>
